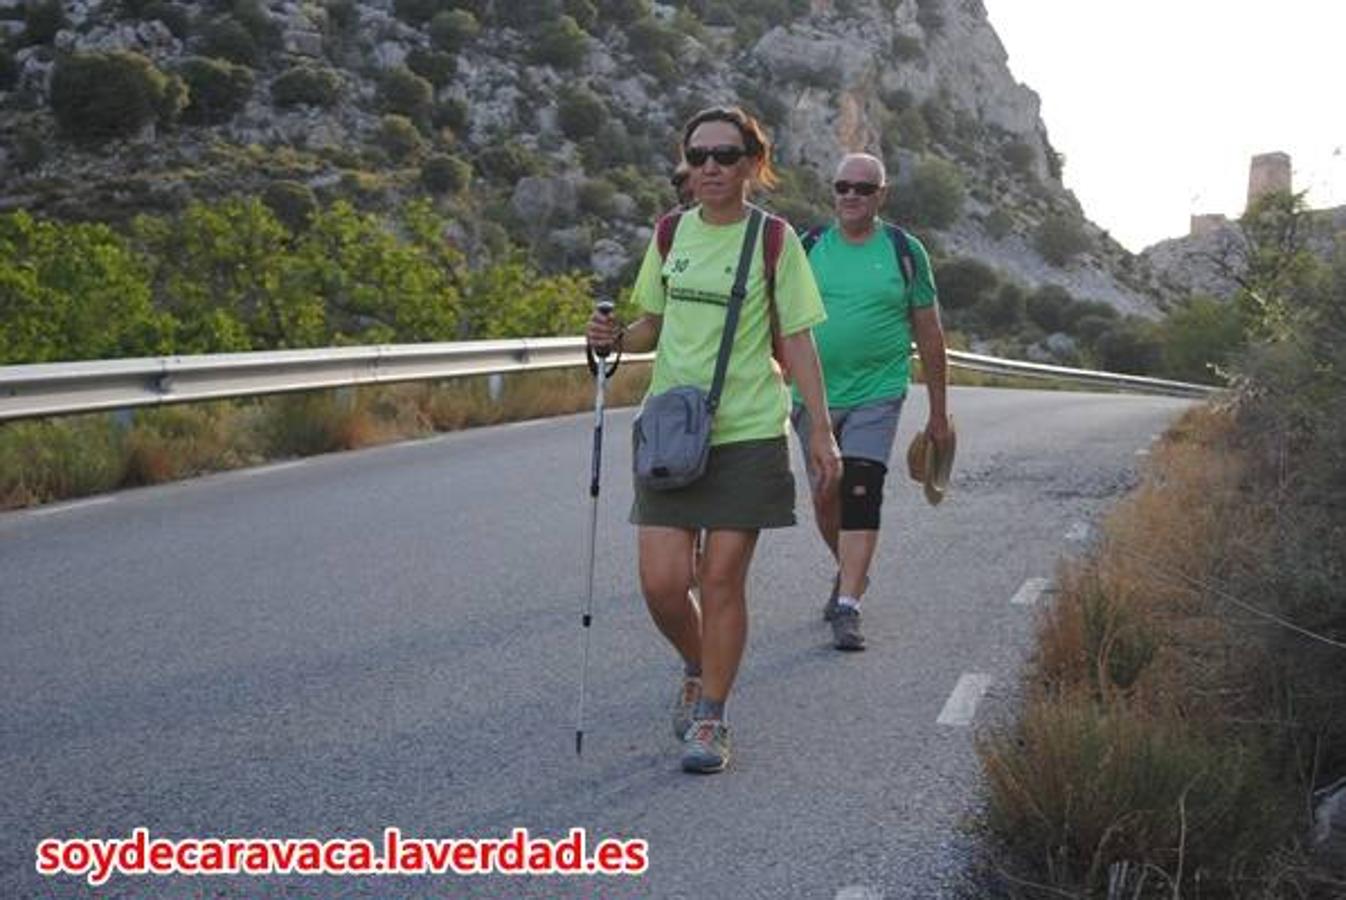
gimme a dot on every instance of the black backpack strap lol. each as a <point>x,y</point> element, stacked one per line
<point>736,295</point>
<point>811,236</point>
<point>906,259</point>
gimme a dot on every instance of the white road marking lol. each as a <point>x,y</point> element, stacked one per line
<point>263,470</point>
<point>69,507</point>
<point>859,892</point>
<point>1029,592</point>
<point>962,703</point>
<point>1143,451</point>
<point>1079,531</point>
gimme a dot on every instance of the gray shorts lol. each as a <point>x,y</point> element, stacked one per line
<point>862,432</point>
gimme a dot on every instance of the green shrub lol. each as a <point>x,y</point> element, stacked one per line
<point>399,138</point>
<point>524,14</point>
<point>939,119</point>
<point>596,196</point>
<point>612,146</point>
<point>1061,238</point>
<point>1002,311</point>
<point>999,224</point>
<point>1048,306</point>
<point>1132,347</point>
<point>446,174</point>
<point>404,93</point>
<point>1090,328</point>
<point>416,12</point>
<point>30,149</point>
<point>1083,309</point>
<point>623,12</point>
<point>452,30</point>
<point>909,131</point>
<point>9,69</point>
<point>216,90</point>
<point>584,12</point>
<point>434,66</point>
<point>53,459</point>
<point>930,15</point>
<point>1020,155</point>
<point>933,198</point>
<point>907,47</point>
<point>227,38</point>
<point>581,113</point>
<point>1200,336</point>
<point>43,19</point>
<point>307,85</point>
<point>964,282</point>
<point>343,15</point>
<point>508,162</point>
<point>293,202</point>
<point>561,43</point>
<point>96,96</point>
<point>255,17</point>
<point>176,18</point>
<point>451,113</point>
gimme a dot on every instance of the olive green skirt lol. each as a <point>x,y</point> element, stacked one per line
<point>747,485</point>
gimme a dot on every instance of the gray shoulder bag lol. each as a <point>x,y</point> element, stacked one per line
<point>671,435</point>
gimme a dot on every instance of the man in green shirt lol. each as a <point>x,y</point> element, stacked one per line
<point>877,292</point>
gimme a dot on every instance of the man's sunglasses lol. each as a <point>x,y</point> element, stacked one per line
<point>725,155</point>
<point>863,188</point>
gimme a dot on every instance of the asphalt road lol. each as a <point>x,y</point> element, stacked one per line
<point>391,638</point>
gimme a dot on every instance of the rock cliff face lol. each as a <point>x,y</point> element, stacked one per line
<point>567,112</point>
<point>1208,260</point>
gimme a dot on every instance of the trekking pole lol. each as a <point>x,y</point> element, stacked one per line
<point>602,372</point>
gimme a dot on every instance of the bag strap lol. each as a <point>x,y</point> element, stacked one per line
<point>773,242</point>
<point>736,295</point>
<point>906,260</point>
<point>664,231</point>
<point>810,237</point>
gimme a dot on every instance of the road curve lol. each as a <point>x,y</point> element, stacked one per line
<point>391,638</point>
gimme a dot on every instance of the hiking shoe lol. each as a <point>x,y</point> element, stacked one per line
<point>705,747</point>
<point>846,629</point>
<point>830,607</point>
<point>688,693</point>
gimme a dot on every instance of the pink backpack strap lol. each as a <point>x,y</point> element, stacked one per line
<point>664,230</point>
<point>773,241</point>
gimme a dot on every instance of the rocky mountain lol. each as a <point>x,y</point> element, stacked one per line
<point>550,124</point>
<point>1207,260</point>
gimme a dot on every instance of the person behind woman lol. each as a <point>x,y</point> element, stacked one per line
<point>747,485</point>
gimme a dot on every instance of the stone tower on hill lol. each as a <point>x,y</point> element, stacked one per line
<point>1270,172</point>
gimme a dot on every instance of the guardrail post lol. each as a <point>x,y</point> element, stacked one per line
<point>495,385</point>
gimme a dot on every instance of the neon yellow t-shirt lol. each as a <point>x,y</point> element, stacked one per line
<point>690,289</point>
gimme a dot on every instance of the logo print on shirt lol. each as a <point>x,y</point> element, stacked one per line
<point>680,265</point>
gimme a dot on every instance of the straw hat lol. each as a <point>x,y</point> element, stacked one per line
<point>927,465</point>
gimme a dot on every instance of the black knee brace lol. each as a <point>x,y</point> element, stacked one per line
<point>861,493</point>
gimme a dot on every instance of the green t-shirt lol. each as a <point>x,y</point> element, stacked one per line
<point>865,344</point>
<point>690,289</point>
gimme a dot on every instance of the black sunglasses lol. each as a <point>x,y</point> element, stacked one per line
<point>725,155</point>
<point>863,188</point>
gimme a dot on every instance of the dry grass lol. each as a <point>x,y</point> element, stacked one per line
<point>1144,742</point>
<point>72,457</point>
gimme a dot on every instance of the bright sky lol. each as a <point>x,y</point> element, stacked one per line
<point>1158,105</point>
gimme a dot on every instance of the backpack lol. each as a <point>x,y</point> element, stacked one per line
<point>906,260</point>
<point>773,239</point>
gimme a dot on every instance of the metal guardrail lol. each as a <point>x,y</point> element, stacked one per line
<point>49,389</point>
<point>1137,384</point>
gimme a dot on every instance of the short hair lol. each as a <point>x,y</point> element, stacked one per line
<point>869,157</point>
<point>755,141</point>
